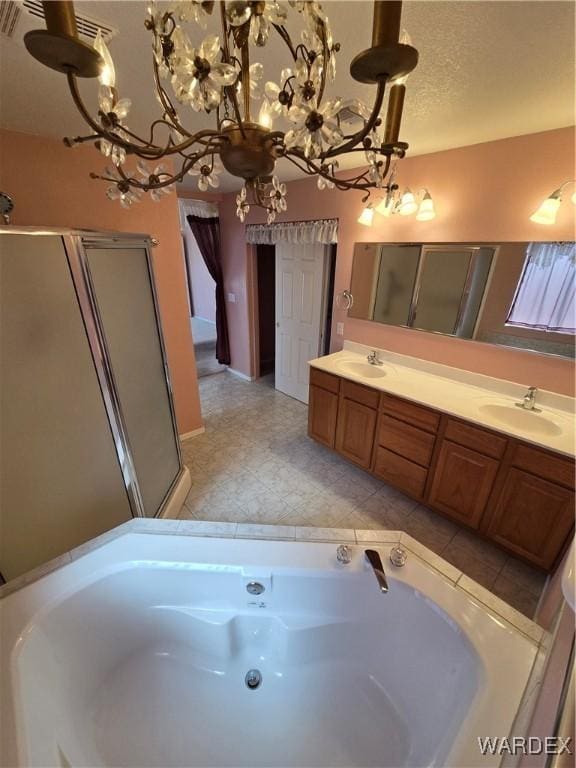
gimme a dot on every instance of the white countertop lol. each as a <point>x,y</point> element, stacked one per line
<point>474,397</point>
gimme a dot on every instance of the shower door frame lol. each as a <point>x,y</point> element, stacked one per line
<point>75,246</point>
<point>425,249</point>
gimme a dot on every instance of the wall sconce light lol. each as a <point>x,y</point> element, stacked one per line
<point>367,216</point>
<point>405,205</point>
<point>408,204</point>
<point>548,209</point>
<point>426,210</point>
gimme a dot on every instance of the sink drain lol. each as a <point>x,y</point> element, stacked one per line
<point>253,679</point>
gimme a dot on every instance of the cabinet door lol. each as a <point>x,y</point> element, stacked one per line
<point>533,517</point>
<point>322,413</point>
<point>355,432</point>
<point>462,483</point>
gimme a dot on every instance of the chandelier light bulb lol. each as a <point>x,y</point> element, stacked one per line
<point>367,216</point>
<point>265,116</point>
<point>426,210</point>
<point>548,210</point>
<point>107,74</point>
<point>408,204</point>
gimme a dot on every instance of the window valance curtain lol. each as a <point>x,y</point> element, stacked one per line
<point>200,208</point>
<point>544,298</point>
<point>318,231</point>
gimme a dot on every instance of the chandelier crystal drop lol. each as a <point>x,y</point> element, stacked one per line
<point>258,117</point>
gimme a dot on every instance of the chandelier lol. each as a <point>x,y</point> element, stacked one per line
<point>256,120</point>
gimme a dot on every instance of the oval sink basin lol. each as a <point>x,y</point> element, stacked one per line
<point>527,421</point>
<point>365,370</point>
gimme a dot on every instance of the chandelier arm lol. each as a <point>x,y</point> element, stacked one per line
<point>146,185</point>
<point>325,53</point>
<point>282,31</point>
<point>245,58</point>
<point>149,151</point>
<point>166,102</point>
<point>230,90</point>
<point>102,132</point>
<point>359,182</point>
<point>361,135</point>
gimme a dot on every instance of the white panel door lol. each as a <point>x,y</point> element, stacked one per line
<point>300,276</point>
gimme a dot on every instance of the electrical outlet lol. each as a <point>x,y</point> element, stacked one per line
<point>340,329</point>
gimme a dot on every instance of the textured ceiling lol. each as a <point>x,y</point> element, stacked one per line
<point>487,70</point>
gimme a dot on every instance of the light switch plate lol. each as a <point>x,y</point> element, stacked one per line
<point>231,298</point>
<point>340,329</point>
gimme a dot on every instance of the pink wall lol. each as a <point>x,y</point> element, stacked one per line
<point>50,186</point>
<point>483,193</point>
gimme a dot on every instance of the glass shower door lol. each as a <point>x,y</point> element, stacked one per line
<point>124,295</point>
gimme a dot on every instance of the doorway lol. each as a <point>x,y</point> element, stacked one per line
<point>294,289</point>
<point>202,303</point>
<point>266,281</point>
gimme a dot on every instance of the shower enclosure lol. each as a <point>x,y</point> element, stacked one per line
<point>88,433</point>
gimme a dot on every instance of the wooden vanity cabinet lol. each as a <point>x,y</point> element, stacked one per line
<point>462,483</point>
<point>323,407</point>
<point>518,496</point>
<point>357,415</point>
<point>405,444</point>
<point>532,509</point>
<point>465,469</point>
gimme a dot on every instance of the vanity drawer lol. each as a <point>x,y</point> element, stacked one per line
<point>404,439</point>
<point>324,380</point>
<point>360,394</point>
<point>488,443</point>
<point>400,472</point>
<point>417,415</point>
<point>544,464</point>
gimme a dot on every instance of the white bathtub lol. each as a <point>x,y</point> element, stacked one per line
<point>136,655</point>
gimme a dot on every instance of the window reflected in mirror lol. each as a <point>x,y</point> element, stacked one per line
<point>513,294</point>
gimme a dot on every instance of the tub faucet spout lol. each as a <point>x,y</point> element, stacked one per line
<point>375,561</point>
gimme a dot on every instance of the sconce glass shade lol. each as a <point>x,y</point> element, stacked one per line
<point>573,198</point>
<point>367,216</point>
<point>426,210</point>
<point>546,213</point>
<point>408,204</point>
<point>107,74</point>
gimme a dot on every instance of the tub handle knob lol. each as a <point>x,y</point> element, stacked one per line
<point>344,554</point>
<point>398,556</point>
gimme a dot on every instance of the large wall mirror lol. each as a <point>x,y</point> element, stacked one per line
<point>512,294</point>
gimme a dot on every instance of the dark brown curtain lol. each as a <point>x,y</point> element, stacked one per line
<point>207,234</point>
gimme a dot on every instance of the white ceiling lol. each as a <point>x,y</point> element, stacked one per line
<point>487,70</point>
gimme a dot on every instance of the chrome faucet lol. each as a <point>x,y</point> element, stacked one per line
<point>375,561</point>
<point>373,358</point>
<point>529,400</point>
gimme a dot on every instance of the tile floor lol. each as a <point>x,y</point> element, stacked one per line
<point>256,464</point>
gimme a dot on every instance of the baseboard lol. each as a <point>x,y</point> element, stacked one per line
<point>194,433</point>
<point>241,375</point>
